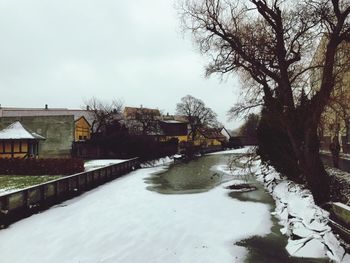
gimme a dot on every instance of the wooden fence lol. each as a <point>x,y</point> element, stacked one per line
<point>23,203</point>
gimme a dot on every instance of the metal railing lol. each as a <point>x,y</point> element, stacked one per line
<point>25,202</point>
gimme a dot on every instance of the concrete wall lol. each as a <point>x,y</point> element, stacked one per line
<point>58,131</point>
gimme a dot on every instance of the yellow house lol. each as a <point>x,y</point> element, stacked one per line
<point>208,137</point>
<point>82,129</point>
<point>172,129</point>
<point>19,142</point>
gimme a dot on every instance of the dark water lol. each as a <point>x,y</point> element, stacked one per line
<point>193,177</point>
<point>199,176</point>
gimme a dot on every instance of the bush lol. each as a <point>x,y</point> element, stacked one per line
<point>40,166</point>
<point>124,147</point>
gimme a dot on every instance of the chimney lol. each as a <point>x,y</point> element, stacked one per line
<point>87,107</point>
<point>46,107</point>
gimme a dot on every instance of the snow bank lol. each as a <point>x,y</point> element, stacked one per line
<point>95,164</point>
<point>246,149</point>
<point>305,224</point>
<point>159,162</point>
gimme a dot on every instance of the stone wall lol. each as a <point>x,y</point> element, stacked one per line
<point>58,131</point>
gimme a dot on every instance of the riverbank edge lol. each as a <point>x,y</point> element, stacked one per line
<point>305,224</point>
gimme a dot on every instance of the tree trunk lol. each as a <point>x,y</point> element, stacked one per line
<point>317,178</point>
<point>310,163</point>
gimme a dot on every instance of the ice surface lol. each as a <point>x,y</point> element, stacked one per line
<point>121,221</point>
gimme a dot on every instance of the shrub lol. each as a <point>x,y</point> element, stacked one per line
<point>50,166</point>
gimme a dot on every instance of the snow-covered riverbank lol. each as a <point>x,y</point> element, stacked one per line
<point>123,222</point>
<point>305,224</point>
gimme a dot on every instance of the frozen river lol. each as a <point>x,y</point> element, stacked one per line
<point>183,214</point>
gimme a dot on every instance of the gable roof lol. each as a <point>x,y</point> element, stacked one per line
<point>173,128</point>
<point>16,131</point>
<point>211,133</point>
<point>225,132</point>
<point>82,117</point>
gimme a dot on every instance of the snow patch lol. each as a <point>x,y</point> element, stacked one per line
<point>95,164</point>
<point>159,162</point>
<point>243,150</point>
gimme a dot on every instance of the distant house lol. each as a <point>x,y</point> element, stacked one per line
<point>57,130</point>
<point>60,126</point>
<point>133,112</point>
<point>173,129</point>
<point>82,129</point>
<point>16,141</point>
<point>225,133</point>
<point>142,121</point>
<point>209,138</point>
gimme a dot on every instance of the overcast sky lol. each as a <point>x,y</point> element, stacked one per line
<point>62,53</point>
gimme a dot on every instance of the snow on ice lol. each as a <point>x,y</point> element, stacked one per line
<point>121,221</point>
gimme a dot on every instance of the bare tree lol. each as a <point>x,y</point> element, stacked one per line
<point>197,114</point>
<point>272,44</point>
<point>148,119</point>
<point>142,121</point>
<point>103,113</point>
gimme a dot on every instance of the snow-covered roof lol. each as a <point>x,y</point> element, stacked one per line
<point>16,131</point>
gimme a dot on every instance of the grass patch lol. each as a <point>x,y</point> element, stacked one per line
<point>9,183</point>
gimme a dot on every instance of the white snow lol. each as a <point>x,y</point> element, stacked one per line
<point>159,162</point>
<point>306,247</point>
<point>344,206</point>
<point>94,164</point>
<point>17,131</point>
<point>246,149</point>
<point>303,222</point>
<point>123,222</point>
